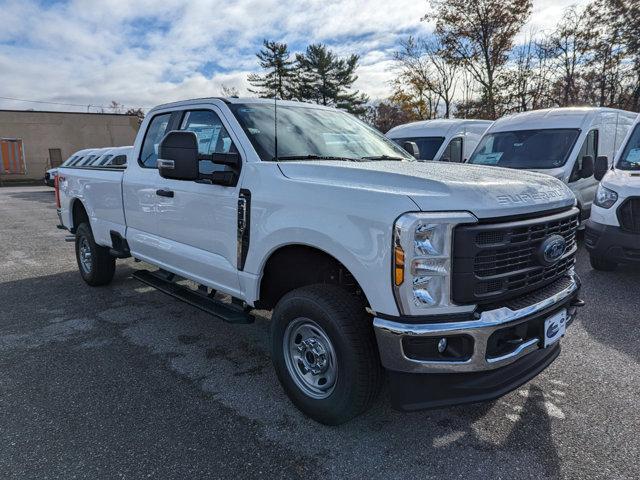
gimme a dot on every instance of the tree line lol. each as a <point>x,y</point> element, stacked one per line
<point>478,63</point>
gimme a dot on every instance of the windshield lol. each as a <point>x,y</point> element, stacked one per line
<point>313,133</point>
<point>427,146</point>
<point>630,158</point>
<point>548,148</point>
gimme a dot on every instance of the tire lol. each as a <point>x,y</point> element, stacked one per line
<point>333,326</point>
<point>602,264</point>
<point>95,263</point>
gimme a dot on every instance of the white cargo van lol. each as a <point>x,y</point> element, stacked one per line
<point>562,142</point>
<point>612,235</point>
<point>451,140</point>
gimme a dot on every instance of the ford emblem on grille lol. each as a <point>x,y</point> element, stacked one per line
<point>551,250</point>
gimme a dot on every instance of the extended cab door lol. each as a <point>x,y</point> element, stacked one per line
<point>198,222</point>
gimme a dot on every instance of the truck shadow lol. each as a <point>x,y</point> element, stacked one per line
<point>605,293</point>
<point>230,365</point>
<point>40,196</point>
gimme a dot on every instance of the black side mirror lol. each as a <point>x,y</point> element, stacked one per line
<point>587,166</point>
<point>600,168</point>
<point>412,148</point>
<point>178,155</point>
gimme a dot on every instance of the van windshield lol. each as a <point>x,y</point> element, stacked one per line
<point>308,133</point>
<point>630,158</point>
<point>427,146</point>
<point>544,148</point>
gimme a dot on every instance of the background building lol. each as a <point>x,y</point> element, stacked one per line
<point>33,141</point>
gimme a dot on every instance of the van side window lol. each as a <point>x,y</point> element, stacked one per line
<point>155,131</point>
<point>453,152</point>
<point>212,136</point>
<point>589,148</point>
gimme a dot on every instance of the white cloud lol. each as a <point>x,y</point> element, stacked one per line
<point>146,52</point>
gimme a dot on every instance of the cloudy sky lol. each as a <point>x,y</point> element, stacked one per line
<point>144,52</point>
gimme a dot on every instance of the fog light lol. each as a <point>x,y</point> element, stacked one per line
<point>442,345</point>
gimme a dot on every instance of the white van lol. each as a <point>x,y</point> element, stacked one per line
<point>451,140</point>
<point>562,142</point>
<point>613,232</point>
<point>116,156</point>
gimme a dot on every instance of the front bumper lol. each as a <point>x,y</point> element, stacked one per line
<point>612,243</point>
<point>391,334</point>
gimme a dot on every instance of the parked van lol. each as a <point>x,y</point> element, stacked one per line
<point>613,232</point>
<point>562,142</point>
<point>452,140</point>
<point>112,156</point>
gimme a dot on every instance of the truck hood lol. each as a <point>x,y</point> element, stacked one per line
<point>487,192</point>
<point>625,183</point>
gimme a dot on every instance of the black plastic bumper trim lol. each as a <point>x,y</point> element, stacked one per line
<point>415,391</point>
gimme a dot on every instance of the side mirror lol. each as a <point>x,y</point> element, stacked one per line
<point>412,148</point>
<point>587,166</point>
<point>178,155</point>
<point>600,168</point>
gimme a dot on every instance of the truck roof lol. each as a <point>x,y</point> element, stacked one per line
<point>564,117</point>
<point>233,100</point>
<point>435,128</point>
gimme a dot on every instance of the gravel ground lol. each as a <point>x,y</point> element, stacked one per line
<point>125,382</point>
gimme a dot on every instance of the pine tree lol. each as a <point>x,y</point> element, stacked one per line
<point>324,78</point>
<point>275,59</point>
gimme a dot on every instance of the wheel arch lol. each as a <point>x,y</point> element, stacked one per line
<point>281,272</point>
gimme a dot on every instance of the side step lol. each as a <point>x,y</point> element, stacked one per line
<point>200,299</point>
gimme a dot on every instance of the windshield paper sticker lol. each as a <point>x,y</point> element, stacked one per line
<point>633,156</point>
<point>488,158</point>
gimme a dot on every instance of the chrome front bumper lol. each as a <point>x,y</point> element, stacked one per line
<point>389,335</point>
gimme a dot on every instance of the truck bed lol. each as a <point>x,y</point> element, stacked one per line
<point>100,191</point>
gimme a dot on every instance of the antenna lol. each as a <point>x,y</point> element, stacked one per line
<point>275,123</point>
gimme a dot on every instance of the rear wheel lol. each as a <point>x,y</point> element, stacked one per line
<point>325,354</point>
<point>95,263</point>
<point>601,263</point>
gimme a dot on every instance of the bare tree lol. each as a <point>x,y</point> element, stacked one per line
<point>479,35</point>
<point>424,77</point>
<point>228,91</point>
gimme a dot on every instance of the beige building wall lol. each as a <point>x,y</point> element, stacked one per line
<point>68,131</point>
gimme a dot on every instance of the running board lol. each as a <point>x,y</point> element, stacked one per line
<point>198,298</point>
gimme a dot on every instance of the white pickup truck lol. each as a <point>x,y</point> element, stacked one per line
<point>455,280</point>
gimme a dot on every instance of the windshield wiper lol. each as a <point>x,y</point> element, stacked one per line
<point>313,157</point>
<point>383,157</point>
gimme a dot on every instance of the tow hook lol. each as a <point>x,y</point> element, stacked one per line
<point>577,302</point>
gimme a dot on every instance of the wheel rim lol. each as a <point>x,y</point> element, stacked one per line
<point>310,358</point>
<point>84,254</point>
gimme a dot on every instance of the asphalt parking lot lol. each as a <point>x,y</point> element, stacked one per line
<point>125,382</point>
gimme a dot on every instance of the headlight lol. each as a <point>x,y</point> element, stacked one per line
<point>422,261</point>
<point>605,198</point>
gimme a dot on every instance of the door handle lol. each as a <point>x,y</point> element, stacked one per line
<point>165,193</point>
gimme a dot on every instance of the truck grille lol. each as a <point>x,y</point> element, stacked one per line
<point>500,261</point>
<point>629,215</point>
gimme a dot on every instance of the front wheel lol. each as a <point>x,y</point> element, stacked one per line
<point>324,353</point>
<point>95,263</point>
